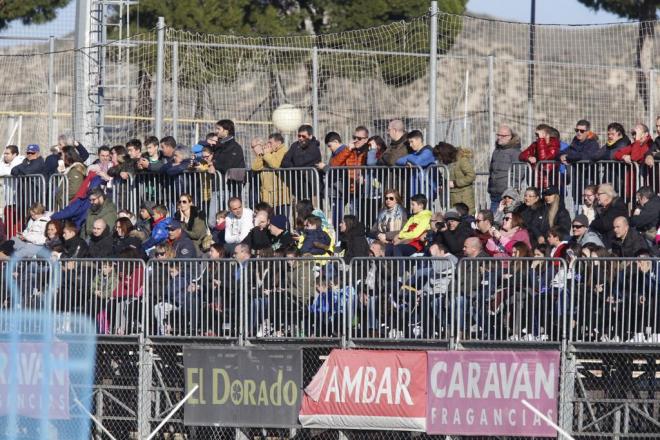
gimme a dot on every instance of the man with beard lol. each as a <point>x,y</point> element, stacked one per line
<point>100,208</point>
<point>304,153</point>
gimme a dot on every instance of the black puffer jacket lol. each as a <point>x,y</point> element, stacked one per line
<point>607,151</point>
<point>500,162</point>
<point>454,240</point>
<point>75,248</point>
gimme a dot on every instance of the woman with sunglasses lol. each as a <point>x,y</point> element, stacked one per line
<point>192,219</point>
<point>390,219</point>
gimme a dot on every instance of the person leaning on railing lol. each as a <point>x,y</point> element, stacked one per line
<point>545,148</point>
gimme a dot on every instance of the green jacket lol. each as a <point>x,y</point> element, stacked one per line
<point>108,212</point>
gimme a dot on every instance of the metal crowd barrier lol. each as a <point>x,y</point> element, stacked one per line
<point>17,194</point>
<point>512,299</point>
<point>401,298</point>
<point>520,176</point>
<point>111,292</point>
<point>296,299</point>
<point>437,187</point>
<point>481,195</point>
<point>623,176</point>
<point>280,188</point>
<point>360,190</point>
<point>615,300</point>
<point>194,298</point>
<point>650,176</point>
<point>124,194</point>
<point>58,190</point>
<point>538,300</point>
<point>24,286</point>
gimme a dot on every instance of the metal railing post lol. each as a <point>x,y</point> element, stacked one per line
<point>491,104</point>
<point>315,89</point>
<point>651,89</point>
<point>175,89</point>
<point>433,73</point>
<point>160,62</point>
<point>51,88</point>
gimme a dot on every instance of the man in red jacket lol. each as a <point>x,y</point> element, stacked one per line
<point>546,148</point>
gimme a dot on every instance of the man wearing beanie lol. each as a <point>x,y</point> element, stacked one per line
<point>280,235</point>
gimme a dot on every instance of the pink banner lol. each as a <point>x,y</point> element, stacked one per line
<point>363,389</point>
<point>29,377</point>
<point>480,392</point>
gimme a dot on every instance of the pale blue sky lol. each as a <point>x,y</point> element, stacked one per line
<point>547,11</point>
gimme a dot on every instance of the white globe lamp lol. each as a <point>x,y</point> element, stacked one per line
<point>287,118</point>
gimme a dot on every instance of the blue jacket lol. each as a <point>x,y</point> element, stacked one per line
<point>184,247</point>
<point>76,211</point>
<point>311,236</point>
<point>158,235</point>
<point>422,158</point>
<point>587,150</point>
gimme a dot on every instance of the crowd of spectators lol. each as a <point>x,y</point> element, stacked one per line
<point>85,223</point>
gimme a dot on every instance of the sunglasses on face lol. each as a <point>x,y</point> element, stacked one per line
<point>302,136</point>
<point>580,130</point>
<point>390,198</point>
<point>578,226</point>
<point>358,138</point>
<point>184,202</point>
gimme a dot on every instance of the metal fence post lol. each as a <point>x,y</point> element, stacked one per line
<point>175,89</point>
<point>160,61</point>
<point>651,89</point>
<point>51,88</point>
<point>433,72</point>
<point>144,384</point>
<point>315,89</point>
<point>491,104</point>
<point>80,122</point>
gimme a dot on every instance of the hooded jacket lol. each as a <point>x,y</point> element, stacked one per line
<point>583,150</point>
<point>159,233</point>
<point>463,175</point>
<point>354,242</point>
<point>299,156</point>
<point>500,162</point>
<point>422,158</point>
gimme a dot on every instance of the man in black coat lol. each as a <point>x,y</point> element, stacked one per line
<point>455,233</point>
<point>182,244</point>
<point>100,243</point>
<point>646,216</point>
<point>628,241</point>
<point>228,157</point>
<point>304,153</point>
<point>610,207</point>
<point>33,163</point>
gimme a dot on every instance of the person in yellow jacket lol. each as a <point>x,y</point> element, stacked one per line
<point>269,156</point>
<point>411,238</point>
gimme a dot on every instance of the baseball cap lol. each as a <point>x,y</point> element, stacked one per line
<point>32,148</point>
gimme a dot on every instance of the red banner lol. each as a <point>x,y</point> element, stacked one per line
<point>365,389</point>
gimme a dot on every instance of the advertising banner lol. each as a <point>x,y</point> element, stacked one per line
<point>23,390</point>
<point>480,392</point>
<point>243,387</point>
<point>363,389</point>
